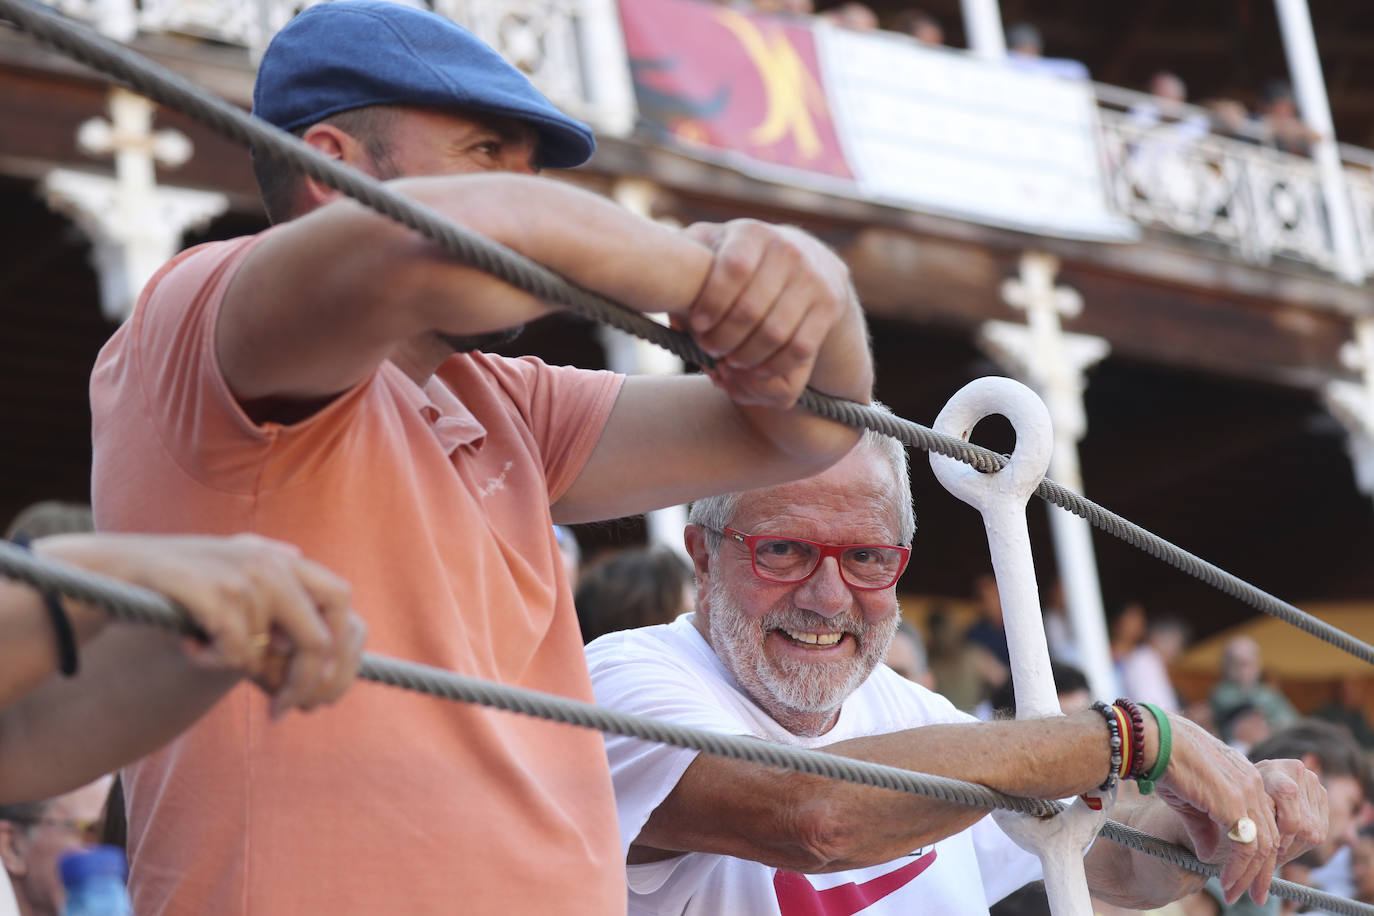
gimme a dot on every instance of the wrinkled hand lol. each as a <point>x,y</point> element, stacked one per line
<point>268,612</point>
<point>1300,806</point>
<point>772,296</point>
<point>1211,786</point>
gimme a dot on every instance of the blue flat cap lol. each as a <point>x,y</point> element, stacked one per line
<point>349,53</point>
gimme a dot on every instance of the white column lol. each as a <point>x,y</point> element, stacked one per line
<point>632,355</point>
<point>1353,404</point>
<point>1309,89</point>
<point>983,25</point>
<point>135,226</point>
<point>1054,364</point>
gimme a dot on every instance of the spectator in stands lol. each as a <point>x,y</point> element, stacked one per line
<point>1230,119</point>
<point>34,835</point>
<point>1333,755</point>
<point>1241,683</point>
<point>907,655</point>
<point>787,7</point>
<point>920,25</point>
<point>857,17</point>
<point>1347,709</point>
<point>1025,51</point>
<point>953,662</point>
<point>638,587</point>
<point>1279,122</point>
<point>1058,628</point>
<point>1362,864</point>
<point>50,517</point>
<point>988,635</point>
<point>1070,685</point>
<point>1244,727</point>
<point>1144,670</point>
<point>571,551</point>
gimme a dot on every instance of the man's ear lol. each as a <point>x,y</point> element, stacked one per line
<point>12,849</point>
<point>694,539</point>
<point>336,144</point>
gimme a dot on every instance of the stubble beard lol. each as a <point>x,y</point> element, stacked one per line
<point>787,688</point>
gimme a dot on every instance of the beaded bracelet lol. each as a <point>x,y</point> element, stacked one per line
<point>61,624</point>
<point>1114,729</point>
<point>1137,768</point>
<point>1146,783</point>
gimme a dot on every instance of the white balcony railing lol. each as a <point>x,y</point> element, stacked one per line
<point>1164,173</point>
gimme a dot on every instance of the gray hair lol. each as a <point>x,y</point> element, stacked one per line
<point>715,512</point>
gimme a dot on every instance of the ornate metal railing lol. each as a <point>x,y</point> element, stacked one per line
<point>571,49</point>
<point>1169,171</point>
<point>1166,173</point>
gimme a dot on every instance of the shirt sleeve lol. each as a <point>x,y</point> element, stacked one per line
<point>565,408</point>
<point>1004,866</point>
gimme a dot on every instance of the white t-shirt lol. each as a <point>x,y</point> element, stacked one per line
<point>670,672</point>
<point>8,905</point>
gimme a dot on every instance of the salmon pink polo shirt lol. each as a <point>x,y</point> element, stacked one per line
<point>433,502</point>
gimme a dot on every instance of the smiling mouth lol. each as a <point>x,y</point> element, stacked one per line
<point>812,640</point>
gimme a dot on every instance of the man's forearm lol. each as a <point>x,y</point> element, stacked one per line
<point>1127,878</point>
<point>135,691</point>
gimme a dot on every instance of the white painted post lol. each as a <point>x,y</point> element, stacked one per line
<point>1054,364</point>
<point>632,355</point>
<point>1001,498</point>
<point>1309,89</point>
<point>983,25</point>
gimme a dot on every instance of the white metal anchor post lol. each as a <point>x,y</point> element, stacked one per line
<point>1054,363</point>
<point>1001,498</point>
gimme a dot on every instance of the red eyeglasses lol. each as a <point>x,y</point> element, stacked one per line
<point>867,567</point>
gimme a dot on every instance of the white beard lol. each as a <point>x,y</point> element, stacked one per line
<point>788,685</point>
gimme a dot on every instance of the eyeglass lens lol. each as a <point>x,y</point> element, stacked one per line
<point>790,561</point>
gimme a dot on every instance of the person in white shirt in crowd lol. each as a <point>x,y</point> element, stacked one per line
<point>795,611</point>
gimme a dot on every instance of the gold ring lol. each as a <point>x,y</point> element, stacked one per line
<point>1244,831</point>
<point>260,641</point>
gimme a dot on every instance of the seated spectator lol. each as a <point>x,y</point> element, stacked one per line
<point>1362,864</point>
<point>1230,119</point>
<point>1244,727</point>
<point>50,517</point>
<point>796,605</point>
<point>987,636</point>
<point>907,656</point>
<point>1070,685</point>
<point>1241,683</point>
<point>34,835</point>
<point>857,17</point>
<point>632,588</point>
<point>1144,671</point>
<point>952,662</point>
<point>1279,121</point>
<point>1346,709</point>
<point>920,25</point>
<point>1025,51</point>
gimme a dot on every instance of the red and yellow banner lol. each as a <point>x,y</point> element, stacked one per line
<point>742,82</point>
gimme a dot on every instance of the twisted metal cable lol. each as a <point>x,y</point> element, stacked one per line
<point>129,603</point>
<point>477,251</point>
<point>132,603</point>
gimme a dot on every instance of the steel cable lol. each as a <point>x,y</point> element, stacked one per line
<point>127,602</point>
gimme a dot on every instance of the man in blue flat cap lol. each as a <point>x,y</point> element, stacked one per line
<point>322,382</point>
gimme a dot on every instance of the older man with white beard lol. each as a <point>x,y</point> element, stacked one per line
<point>796,606</point>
